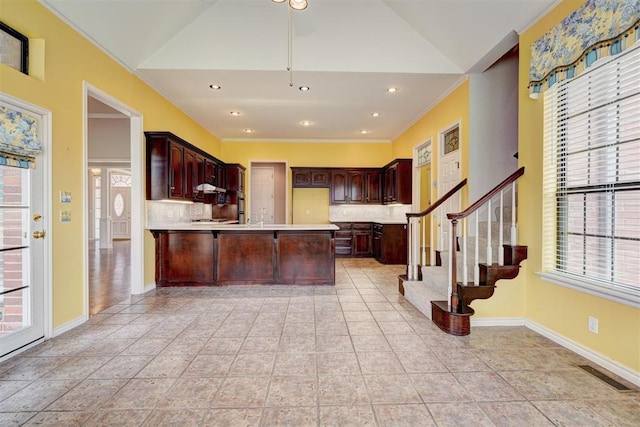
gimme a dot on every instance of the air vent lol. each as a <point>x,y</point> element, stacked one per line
<point>604,377</point>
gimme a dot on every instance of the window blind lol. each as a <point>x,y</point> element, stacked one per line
<point>591,181</point>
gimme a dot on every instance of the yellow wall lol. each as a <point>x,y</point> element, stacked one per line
<point>508,301</point>
<point>69,59</point>
<point>557,308</point>
<point>347,154</point>
<point>311,206</point>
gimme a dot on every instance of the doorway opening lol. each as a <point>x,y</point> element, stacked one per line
<point>268,201</point>
<point>114,212</point>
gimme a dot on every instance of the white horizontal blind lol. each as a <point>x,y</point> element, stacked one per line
<point>591,205</point>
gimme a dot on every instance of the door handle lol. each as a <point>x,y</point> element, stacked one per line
<point>39,234</point>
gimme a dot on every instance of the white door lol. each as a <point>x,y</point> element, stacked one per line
<point>262,195</point>
<point>22,257</point>
<point>120,212</point>
<point>448,176</point>
<point>120,194</point>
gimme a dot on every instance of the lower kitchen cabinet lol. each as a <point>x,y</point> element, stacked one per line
<point>390,243</point>
<point>362,239</point>
<point>354,239</point>
<point>343,239</point>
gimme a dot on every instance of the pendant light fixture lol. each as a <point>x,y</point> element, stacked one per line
<point>294,4</point>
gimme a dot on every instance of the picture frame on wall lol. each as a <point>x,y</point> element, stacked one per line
<point>14,49</point>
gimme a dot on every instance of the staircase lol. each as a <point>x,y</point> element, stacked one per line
<point>474,259</point>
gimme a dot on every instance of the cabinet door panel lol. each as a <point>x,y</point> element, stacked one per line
<point>210,172</point>
<point>339,187</point>
<point>362,243</point>
<point>190,173</point>
<point>320,178</point>
<point>302,178</point>
<point>176,162</point>
<point>356,187</point>
<point>373,187</point>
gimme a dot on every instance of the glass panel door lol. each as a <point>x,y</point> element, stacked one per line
<point>21,291</point>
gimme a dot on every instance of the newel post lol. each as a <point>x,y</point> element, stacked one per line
<point>454,267</point>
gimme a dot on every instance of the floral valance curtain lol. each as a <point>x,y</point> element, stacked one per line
<point>597,29</point>
<point>19,142</point>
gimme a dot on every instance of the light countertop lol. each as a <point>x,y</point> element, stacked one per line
<point>206,226</point>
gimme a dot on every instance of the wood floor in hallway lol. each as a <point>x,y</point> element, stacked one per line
<point>109,275</point>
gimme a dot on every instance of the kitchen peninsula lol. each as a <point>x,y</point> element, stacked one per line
<point>209,254</point>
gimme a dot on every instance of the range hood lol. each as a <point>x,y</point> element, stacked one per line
<point>209,189</point>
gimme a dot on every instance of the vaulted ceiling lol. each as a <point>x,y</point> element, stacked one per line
<point>348,52</point>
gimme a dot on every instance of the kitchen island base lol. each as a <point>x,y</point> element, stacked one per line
<point>251,256</point>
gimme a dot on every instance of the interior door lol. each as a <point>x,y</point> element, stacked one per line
<point>22,258</point>
<point>121,212</point>
<point>449,174</point>
<point>262,195</point>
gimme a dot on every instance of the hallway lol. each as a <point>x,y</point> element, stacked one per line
<point>354,354</point>
<point>109,275</point>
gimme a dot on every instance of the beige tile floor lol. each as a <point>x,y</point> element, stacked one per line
<point>356,354</point>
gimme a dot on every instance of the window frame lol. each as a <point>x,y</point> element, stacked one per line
<point>556,189</point>
<point>24,48</point>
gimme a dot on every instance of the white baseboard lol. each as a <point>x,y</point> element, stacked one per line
<point>69,325</point>
<point>597,358</point>
<point>148,287</point>
<point>498,321</point>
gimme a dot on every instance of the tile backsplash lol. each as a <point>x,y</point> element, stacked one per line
<point>366,213</point>
<point>164,212</point>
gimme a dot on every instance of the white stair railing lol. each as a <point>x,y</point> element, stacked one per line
<point>418,225</point>
<point>460,220</point>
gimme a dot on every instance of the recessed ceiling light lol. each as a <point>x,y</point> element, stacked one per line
<point>364,131</point>
<point>306,123</point>
<point>234,113</point>
<point>392,89</point>
<point>215,87</point>
<point>303,88</point>
<point>375,114</point>
<point>247,130</point>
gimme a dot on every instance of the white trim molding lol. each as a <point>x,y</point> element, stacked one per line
<point>65,327</point>
<point>597,358</point>
<point>498,321</point>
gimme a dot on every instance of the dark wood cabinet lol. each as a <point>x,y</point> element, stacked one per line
<point>209,172</point>
<point>362,239</point>
<point>175,168</point>
<point>390,243</point>
<point>165,168</point>
<point>353,239</point>
<point>235,182</point>
<point>190,174</point>
<point>343,239</point>
<point>244,257</point>
<point>310,177</point>
<point>372,187</point>
<point>176,171</point>
<point>347,186</point>
<point>397,185</point>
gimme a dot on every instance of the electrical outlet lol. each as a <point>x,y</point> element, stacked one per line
<point>593,324</point>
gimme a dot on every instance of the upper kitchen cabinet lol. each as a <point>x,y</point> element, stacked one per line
<point>372,186</point>
<point>397,182</point>
<point>235,177</point>
<point>235,182</point>
<point>310,177</point>
<point>347,186</point>
<point>175,168</point>
<point>165,166</point>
